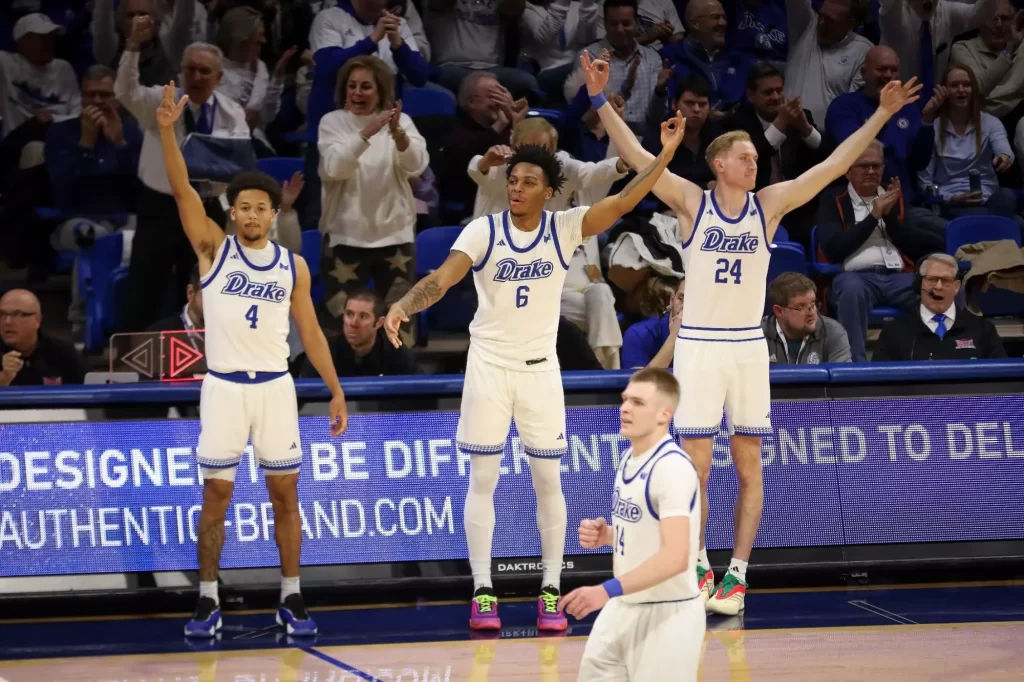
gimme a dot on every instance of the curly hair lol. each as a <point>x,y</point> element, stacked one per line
<point>543,159</point>
<point>256,181</point>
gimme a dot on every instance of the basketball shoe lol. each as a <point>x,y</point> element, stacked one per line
<point>549,614</point>
<point>206,620</point>
<point>294,618</point>
<point>729,597</point>
<point>705,583</point>
<point>485,610</point>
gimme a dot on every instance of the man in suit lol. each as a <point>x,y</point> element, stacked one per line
<point>784,135</point>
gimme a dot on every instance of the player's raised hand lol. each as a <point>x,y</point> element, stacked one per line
<point>672,132</point>
<point>592,533</point>
<point>896,95</point>
<point>583,601</point>
<point>168,112</point>
<point>596,73</point>
<point>339,415</point>
<point>394,319</point>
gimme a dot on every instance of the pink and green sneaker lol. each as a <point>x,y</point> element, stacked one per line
<point>485,610</point>
<point>549,614</point>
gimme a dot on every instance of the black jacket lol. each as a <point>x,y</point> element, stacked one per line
<point>908,338</point>
<point>839,236</point>
<point>382,360</point>
<point>796,156</point>
<point>52,363</point>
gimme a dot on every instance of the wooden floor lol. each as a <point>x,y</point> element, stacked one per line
<point>979,652</point>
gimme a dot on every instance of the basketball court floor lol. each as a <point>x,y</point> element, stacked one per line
<point>936,632</point>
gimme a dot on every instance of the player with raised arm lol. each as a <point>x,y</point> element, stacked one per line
<point>250,285</point>
<point>721,357</point>
<point>519,260</point>
<point>653,598</point>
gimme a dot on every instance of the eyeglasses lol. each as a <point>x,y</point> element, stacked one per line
<point>14,314</point>
<point>805,308</point>
<point>932,280</point>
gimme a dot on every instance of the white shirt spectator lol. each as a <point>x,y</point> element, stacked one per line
<point>252,89</point>
<point>198,28</point>
<point>176,31</point>
<point>901,30</point>
<point>335,27</point>
<point>367,199</point>
<point>816,75</point>
<point>26,88</point>
<point>142,103</point>
<point>871,252</point>
<point>492,197</point>
<point>555,33</point>
<point>470,35</point>
<point>590,304</point>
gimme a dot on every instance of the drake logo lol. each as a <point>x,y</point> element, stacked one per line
<point>627,510</point>
<point>715,239</point>
<point>509,270</point>
<point>239,285</point>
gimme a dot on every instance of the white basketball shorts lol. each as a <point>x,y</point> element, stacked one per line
<point>717,375</point>
<point>233,412</point>
<point>492,395</point>
<point>641,642</point>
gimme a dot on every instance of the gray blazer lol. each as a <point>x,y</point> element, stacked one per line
<point>827,343</point>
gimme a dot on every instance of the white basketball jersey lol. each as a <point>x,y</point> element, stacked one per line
<point>518,277</point>
<point>636,518</point>
<point>247,308</point>
<point>726,264</point>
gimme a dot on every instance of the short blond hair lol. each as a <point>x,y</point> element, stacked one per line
<point>664,383</point>
<point>535,125</point>
<point>722,144</point>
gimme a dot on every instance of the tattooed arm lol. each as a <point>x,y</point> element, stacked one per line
<point>604,213</point>
<point>427,292</point>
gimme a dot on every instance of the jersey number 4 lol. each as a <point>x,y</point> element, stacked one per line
<point>727,269</point>
<point>251,315</point>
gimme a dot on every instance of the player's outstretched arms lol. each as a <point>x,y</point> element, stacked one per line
<point>426,293</point>
<point>604,213</point>
<point>315,344</point>
<point>779,199</point>
<point>202,232</point>
<point>675,191</point>
<point>595,533</point>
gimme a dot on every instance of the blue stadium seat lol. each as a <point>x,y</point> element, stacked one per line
<point>281,168</point>
<point>311,244</point>
<point>455,311</point>
<point>979,228</point>
<point>882,314</point>
<point>100,272</point>
<point>552,116</point>
<point>817,267</point>
<point>781,235</point>
<point>427,102</point>
<point>787,258</point>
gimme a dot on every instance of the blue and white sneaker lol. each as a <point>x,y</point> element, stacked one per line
<point>206,620</point>
<point>294,618</point>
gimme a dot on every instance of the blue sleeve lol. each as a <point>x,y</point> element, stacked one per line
<point>579,105</point>
<point>411,65</point>
<point>65,161</point>
<point>128,155</point>
<point>327,62</point>
<point>635,351</point>
<point>842,119</point>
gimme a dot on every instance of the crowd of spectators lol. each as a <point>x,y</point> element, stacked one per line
<point>323,81</point>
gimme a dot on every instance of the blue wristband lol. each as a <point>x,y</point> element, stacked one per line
<point>597,101</point>
<point>613,587</point>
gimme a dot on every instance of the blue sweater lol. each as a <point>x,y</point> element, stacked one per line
<point>762,33</point>
<point>412,68</point>
<point>727,73</point>
<point>643,340</point>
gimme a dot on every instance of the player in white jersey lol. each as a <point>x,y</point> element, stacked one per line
<point>250,287</point>
<point>519,260</point>
<point>721,357</point>
<point>651,625</point>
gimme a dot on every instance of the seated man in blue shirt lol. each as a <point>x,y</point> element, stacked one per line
<point>905,149</point>
<point>652,342</point>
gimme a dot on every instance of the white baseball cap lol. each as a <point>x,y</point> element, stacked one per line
<point>35,23</point>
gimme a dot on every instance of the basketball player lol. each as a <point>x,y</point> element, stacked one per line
<point>721,357</point>
<point>651,625</point>
<point>519,260</point>
<point>250,286</point>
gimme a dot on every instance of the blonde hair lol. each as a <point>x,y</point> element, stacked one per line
<point>382,76</point>
<point>529,127</point>
<point>723,143</point>
<point>664,383</point>
<point>237,26</point>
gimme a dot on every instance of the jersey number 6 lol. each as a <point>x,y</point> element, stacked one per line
<point>724,266</point>
<point>521,296</point>
<point>251,316</point>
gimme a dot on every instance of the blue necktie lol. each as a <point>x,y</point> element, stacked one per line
<point>927,65</point>
<point>203,127</point>
<point>941,330</point>
<point>561,38</point>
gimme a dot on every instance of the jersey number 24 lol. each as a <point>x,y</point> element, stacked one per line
<point>728,269</point>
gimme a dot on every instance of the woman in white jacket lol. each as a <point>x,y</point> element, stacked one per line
<point>369,150</point>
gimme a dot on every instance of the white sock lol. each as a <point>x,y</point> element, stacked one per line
<point>551,516</point>
<point>738,567</point>
<point>289,586</point>
<point>479,516</point>
<point>702,560</point>
<point>209,589</point>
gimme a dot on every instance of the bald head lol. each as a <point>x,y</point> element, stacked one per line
<point>707,23</point>
<point>881,65</point>
<point>19,320</point>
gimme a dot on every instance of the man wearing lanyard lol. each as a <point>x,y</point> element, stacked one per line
<point>160,252</point>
